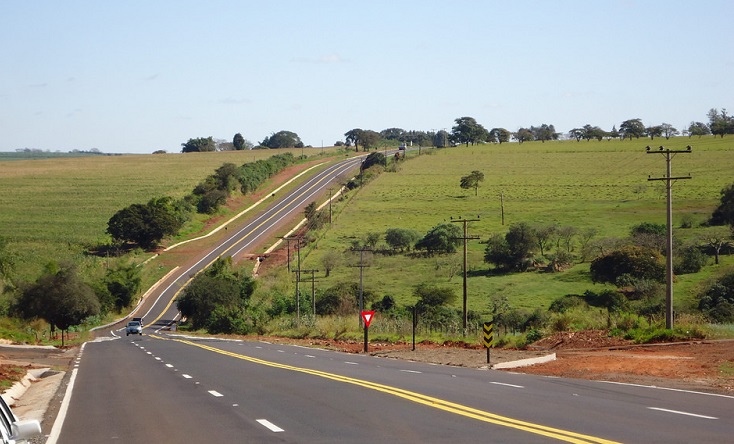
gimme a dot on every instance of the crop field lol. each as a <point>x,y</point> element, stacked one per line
<point>54,209</point>
<point>600,185</point>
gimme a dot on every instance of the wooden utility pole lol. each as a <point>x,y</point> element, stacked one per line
<point>465,238</point>
<point>669,154</point>
<point>313,290</point>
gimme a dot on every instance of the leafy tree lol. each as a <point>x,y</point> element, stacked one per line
<point>467,131</point>
<point>239,142</point>
<point>330,260</point>
<point>401,239</point>
<point>369,140</point>
<point>430,296</point>
<point>123,283</point>
<point>650,235</point>
<point>342,299</point>
<point>724,213</point>
<point>499,135</point>
<point>544,132</point>
<point>637,262</point>
<point>472,181</point>
<point>216,293</point>
<point>613,301</point>
<point>717,301</point>
<point>282,139</point>
<point>354,136</point>
<point>60,297</point>
<point>523,135</point>
<point>688,260</point>
<point>199,145</point>
<point>521,239</point>
<point>393,134</point>
<point>376,158</point>
<point>720,122</point>
<point>145,224</point>
<point>385,305</point>
<point>654,131</point>
<point>716,239</point>
<point>668,130</point>
<point>443,238</point>
<point>576,133</point>
<point>698,129</point>
<point>441,139</point>
<point>632,128</point>
<point>497,252</point>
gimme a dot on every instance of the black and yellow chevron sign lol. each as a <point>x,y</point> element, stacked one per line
<point>488,328</point>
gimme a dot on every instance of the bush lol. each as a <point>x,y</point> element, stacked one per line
<point>689,260</point>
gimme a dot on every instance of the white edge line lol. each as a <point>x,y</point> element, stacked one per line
<point>270,425</point>
<point>678,412</point>
<point>215,393</point>
<point>410,371</point>
<point>59,421</point>
<point>507,385</point>
<point>669,389</point>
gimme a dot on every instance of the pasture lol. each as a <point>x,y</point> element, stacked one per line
<point>601,185</point>
<point>56,209</point>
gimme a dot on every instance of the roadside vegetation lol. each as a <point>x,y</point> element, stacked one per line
<point>559,235</point>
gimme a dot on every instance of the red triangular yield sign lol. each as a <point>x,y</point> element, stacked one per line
<point>367,317</point>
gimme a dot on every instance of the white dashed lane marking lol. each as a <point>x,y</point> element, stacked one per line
<point>272,427</point>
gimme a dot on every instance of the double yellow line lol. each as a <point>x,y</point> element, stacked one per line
<point>451,407</point>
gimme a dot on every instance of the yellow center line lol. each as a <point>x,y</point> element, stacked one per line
<point>451,407</point>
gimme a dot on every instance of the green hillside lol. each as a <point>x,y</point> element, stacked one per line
<point>600,185</point>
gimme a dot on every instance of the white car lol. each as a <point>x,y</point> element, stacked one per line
<point>134,328</point>
<point>13,431</point>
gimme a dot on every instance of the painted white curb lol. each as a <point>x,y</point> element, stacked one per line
<point>525,362</point>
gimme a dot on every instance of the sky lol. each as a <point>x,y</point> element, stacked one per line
<point>140,76</point>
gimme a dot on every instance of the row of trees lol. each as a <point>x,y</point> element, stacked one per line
<point>468,131</point>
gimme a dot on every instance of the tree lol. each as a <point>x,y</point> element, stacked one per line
<point>430,296</point>
<point>199,145</point>
<point>717,302</point>
<point>698,129</point>
<point>632,128</point>
<point>668,130</point>
<point>613,301</point>
<point>441,139</point>
<point>239,142</point>
<point>576,133</point>
<point>443,238</point>
<point>467,131</point>
<point>282,139</point>
<point>544,132</point>
<point>330,260</point>
<point>123,283</point>
<point>654,131</point>
<point>401,239</point>
<point>376,158</point>
<point>393,134</point>
<point>523,135</point>
<point>499,135</point>
<point>354,136</point>
<point>472,181</point>
<point>216,296</point>
<point>720,122</point>
<point>514,250</point>
<point>716,239</point>
<point>145,224</point>
<point>60,297</point>
<point>637,262</point>
<point>724,213</point>
<point>369,140</point>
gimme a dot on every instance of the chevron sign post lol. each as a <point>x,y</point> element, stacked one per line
<point>488,328</point>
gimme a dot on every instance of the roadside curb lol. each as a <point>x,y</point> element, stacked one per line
<point>525,362</point>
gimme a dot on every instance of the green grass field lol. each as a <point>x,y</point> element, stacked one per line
<point>602,185</point>
<point>54,209</point>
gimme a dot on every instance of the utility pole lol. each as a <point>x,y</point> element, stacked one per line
<point>361,286</point>
<point>288,241</point>
<point>669,154</point>
<point>465,238</point>
<point>502,206</point>
<point>298,280</point>
<point>313,290</point>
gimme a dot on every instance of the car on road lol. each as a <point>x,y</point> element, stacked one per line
<point>13,431</point>
<point>134,328</point>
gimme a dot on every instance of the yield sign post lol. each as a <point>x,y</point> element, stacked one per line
<point>367,318</point>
